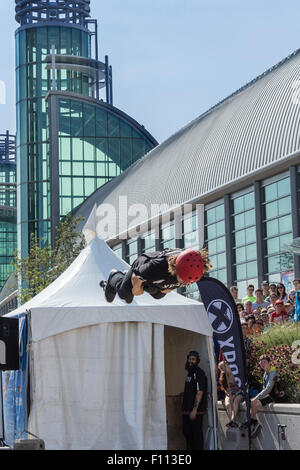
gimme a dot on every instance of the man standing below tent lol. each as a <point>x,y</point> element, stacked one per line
<point>194,403</point>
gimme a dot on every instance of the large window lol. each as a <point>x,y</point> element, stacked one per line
<point>277,221</point>
<point>8,222</point>
<point>215,240</point>
<point>8,245</point>
<point>190,230</point>
<point>95,146</point>
<point>8,184</point>
<point>168,235</point>
<point>244,240</point>
<point>149,241</point>
<point>118,250</point>
<point>131,250</point>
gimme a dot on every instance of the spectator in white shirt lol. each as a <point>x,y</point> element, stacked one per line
<point>234,292</point>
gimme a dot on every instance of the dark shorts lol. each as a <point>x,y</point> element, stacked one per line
<point>265,401</point>
<point>123,285</point>
<point>236,393</point>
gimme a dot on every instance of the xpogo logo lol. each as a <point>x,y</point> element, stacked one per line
<point>220,315</point>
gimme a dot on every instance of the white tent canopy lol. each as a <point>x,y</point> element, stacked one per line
<point>98,369</point>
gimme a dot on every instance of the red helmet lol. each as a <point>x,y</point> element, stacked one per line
<point>190,266</point>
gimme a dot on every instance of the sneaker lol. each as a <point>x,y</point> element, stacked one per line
<point>255,428</point>
<point>109,291</point>
<point>244,425</point>
<point>232,424</point>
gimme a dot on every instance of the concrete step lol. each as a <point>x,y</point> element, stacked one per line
<point>235,439</point>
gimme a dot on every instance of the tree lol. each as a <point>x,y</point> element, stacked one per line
<point>44,265</point>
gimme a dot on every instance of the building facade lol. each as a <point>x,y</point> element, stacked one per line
<point>8,209</point>
<point>237,167</point>
<point>70,137</point>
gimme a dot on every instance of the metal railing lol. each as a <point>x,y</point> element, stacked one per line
<point>41,11</point>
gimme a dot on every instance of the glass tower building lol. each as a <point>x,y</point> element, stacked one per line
<point>70,137</point>
<point>8,210</point>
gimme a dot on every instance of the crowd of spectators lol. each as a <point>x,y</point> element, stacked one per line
<point>266,306</point>
<point>259,310</point>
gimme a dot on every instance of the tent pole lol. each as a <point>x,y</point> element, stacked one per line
<point>213,387</point>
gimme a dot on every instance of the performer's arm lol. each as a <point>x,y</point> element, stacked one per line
<point>137,284</point>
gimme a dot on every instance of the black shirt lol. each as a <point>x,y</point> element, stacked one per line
<point>195,381</point>
<point>153,268</point>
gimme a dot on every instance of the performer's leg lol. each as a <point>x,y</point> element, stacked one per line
<point>122,284</point>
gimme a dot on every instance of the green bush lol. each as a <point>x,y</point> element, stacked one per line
<point>279,334</point>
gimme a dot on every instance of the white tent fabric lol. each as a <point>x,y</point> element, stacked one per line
<point>101,387</point>
<point>98,373</point>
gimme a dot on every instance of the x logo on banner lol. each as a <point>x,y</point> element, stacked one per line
<point>220,316</point>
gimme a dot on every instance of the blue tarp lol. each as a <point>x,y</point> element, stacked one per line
<point>14,392</point>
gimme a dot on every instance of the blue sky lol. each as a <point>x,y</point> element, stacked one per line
<point>174,59</point>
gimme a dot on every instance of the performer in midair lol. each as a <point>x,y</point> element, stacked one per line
<point>157,273</point>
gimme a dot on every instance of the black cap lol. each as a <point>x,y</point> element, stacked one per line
<point>194,353</point>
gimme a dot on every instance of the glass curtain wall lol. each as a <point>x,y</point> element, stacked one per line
<point>8,220</point>
<point>215,240</point>
<point>33,81</point>
<point>277,221</point>
<point>95,145</point>
<point>8,217</point>
<point>244,240</point>
<point>8,246</point>
<point>8,185</point>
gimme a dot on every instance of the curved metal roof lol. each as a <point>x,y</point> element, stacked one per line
<point>251,129</point>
